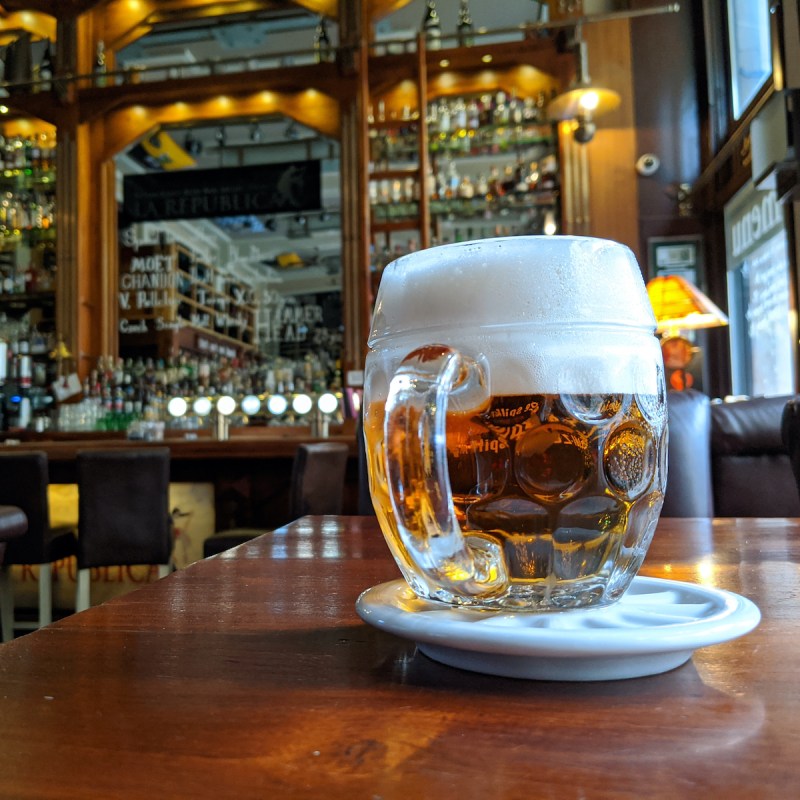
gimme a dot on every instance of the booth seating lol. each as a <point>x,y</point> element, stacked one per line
<point>790,433</point>
<point>689,488</point>
<point>317,487</point>
<point>24,479</point>
<point>123,512</point>
<point>728,459</point>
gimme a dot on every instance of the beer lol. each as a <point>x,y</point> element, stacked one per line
<point>567,488</point>
<point>515,421</point>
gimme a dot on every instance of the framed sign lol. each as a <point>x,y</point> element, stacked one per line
<point>676,255</point>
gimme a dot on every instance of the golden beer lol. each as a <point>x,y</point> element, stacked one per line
<point>554,482</point>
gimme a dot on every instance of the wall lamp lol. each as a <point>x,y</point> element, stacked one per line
<point>583,101</point>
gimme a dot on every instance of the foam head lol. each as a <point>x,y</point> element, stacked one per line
<point>533,306</point>
<point>521,279</point>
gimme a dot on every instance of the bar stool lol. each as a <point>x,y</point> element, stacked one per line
<point>123,512</point>
<point>317,487</point>
<point>23,483</point>
<point>13,523</point>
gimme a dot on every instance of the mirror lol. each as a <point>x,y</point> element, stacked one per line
<point>230,242</point>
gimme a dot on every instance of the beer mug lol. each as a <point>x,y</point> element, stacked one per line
<point>515,421</point>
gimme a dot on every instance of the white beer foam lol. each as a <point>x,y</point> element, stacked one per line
<point>447,294</point>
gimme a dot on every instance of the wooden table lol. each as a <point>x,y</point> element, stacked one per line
<point>251,676</point>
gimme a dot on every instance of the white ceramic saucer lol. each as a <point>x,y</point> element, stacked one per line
<point>655,627</point>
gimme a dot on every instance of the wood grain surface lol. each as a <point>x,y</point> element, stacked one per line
<point>249,675</point>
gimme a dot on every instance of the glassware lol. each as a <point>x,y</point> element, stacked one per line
<point>515,421</point>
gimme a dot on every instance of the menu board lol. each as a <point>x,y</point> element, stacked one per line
<point>759,295</point>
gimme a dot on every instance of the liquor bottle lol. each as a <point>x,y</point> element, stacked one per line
<point>100,67</point>
<point>464,28</point>
<point>431,26</point>
<point>322,44</point>
<point>501,111</point>
<point>46,70</point>
<point>460,114</point>
<point>466,189</point>
<point>444,116</point>
<point>473,114</point>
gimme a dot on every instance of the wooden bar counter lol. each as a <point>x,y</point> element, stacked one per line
<point>250,471</point>
<point>249,675</point>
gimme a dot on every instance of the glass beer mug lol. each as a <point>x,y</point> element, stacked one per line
<point>515,421</point>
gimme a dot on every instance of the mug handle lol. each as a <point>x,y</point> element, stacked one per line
<point>415,454</point>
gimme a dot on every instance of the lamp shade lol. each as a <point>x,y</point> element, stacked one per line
<point>582,100</point>
<point>679,305</point>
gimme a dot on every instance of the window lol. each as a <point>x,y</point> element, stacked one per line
<point>750,51</point>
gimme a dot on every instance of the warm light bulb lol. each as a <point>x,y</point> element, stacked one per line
<point>177,406</point>
<point>226,405</point>
<point>327,403</point>
<point>202,406</point>
<point>277,404</point>
<point>589,101</point>
<point>550,227</point>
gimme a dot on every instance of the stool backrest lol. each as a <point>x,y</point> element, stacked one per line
<point>318,478</point>
<point>23,483</point>
<point>123,507</point>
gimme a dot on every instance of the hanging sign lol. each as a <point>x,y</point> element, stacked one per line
<point>226,192</point>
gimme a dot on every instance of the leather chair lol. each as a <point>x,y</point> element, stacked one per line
<point>689,485</point>
<point>790,435</point>
<point>317,487</point>
<point>24,478</point>
<point>750,464</point>
<point>123,512</point>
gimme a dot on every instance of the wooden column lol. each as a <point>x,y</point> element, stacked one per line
<point>354,159</point>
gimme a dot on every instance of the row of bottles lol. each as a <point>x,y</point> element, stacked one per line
<point>465,127</point>
<point>28,269</point>
<point>535,220</point>
<point>28,213</point>
<point>466,112</point>
<point>27,371</point>
<point>497,109</point>
<point>514,184</point>
<point>32,156</point>
<point>120,392</point>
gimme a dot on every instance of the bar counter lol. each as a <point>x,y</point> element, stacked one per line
<point>249,675</point>
<point>243,444</point>
<point>250,471</point>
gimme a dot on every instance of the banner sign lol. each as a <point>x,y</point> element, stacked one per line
<point>226,192</point>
